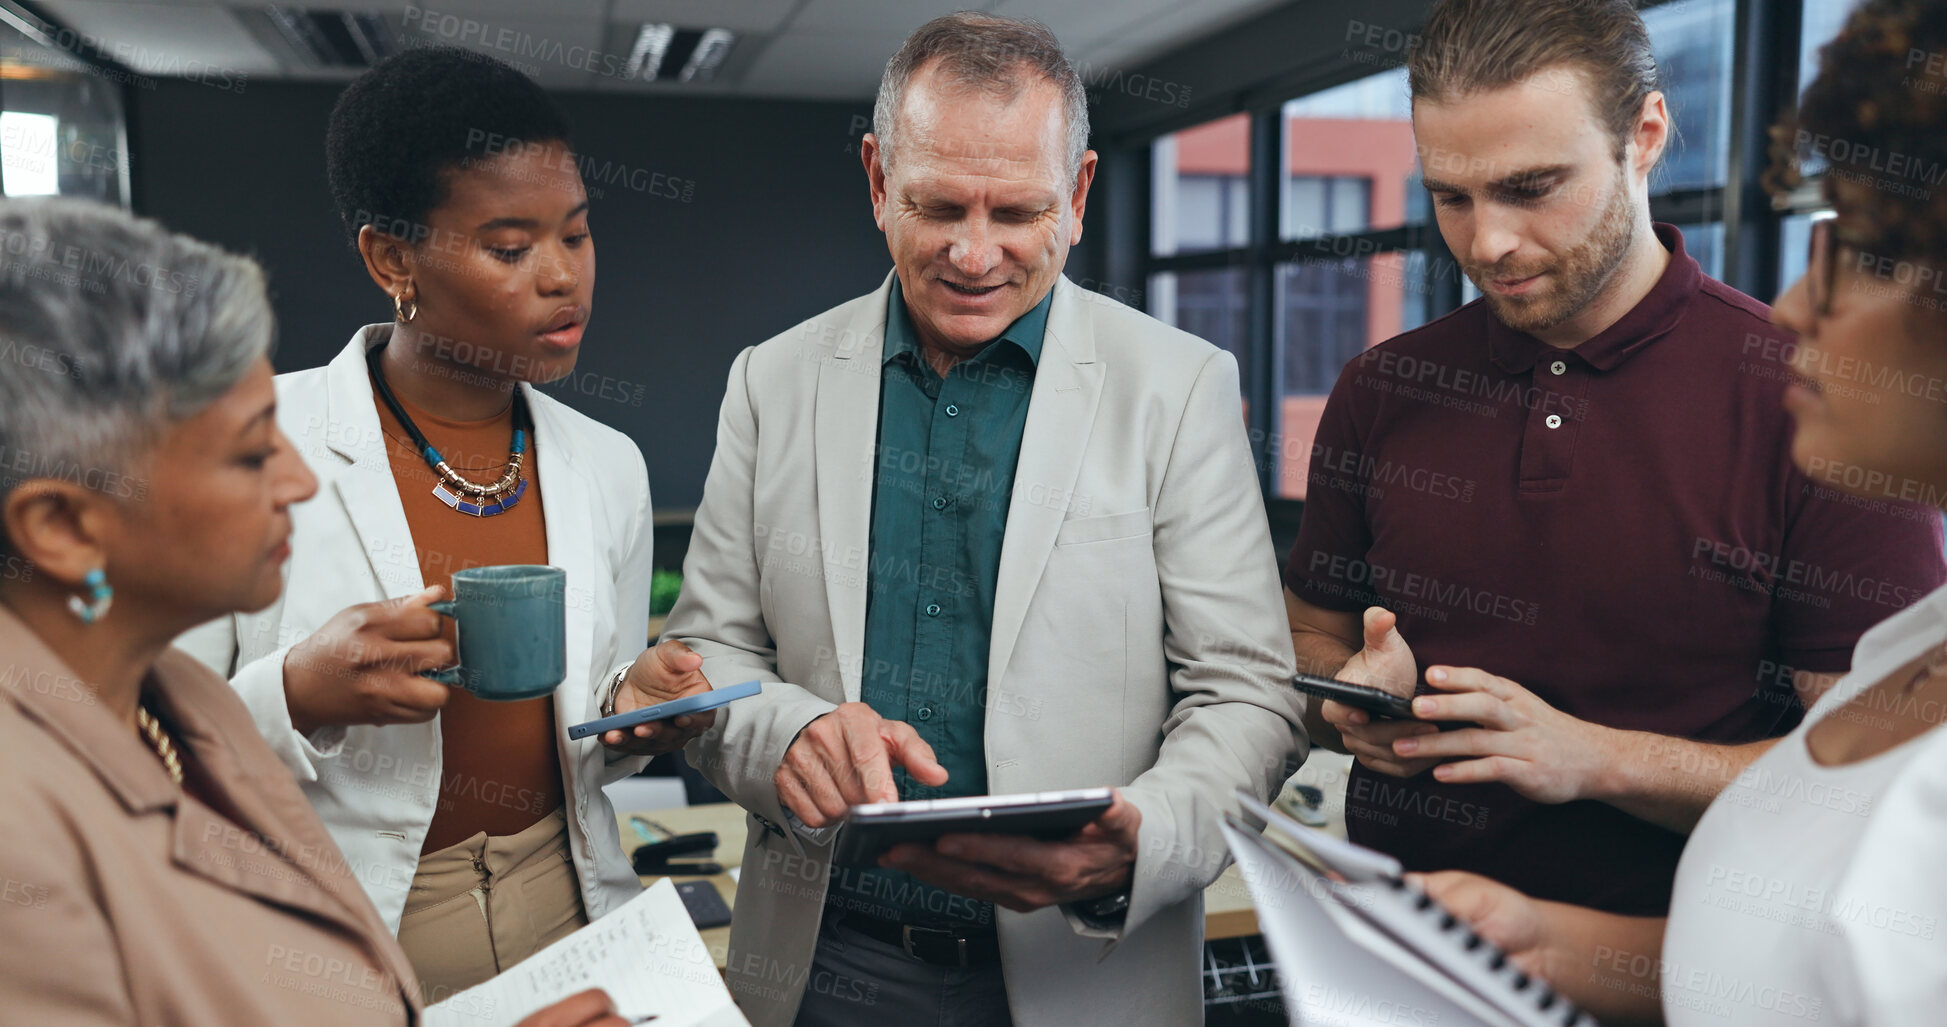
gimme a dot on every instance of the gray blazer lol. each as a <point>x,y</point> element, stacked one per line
<point>1138,638</point>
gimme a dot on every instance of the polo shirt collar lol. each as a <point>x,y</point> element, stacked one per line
<point>1652,318</point>
<point>1026,332</point>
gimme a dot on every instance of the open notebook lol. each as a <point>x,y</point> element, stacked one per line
<point>1408,961</point>
<point>646,955</point>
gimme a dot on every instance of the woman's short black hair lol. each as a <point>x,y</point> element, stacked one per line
<point>402,127</point>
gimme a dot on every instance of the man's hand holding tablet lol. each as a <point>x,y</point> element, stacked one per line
<point>1025,874</point>
<point>846,758</point>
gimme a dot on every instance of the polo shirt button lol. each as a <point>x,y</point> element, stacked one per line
<point>952,410</point>
<point>1559,367</point>
<point>1554,420</point>
<point>926,713</point>
<point>932,609</point>
<point>939,502</point>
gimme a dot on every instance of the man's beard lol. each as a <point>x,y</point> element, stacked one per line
<point>1578,279</point>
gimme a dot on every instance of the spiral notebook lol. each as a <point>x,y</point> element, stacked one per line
<point>1409,961</point>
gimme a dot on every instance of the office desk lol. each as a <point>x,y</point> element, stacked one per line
<point>1227,911</point>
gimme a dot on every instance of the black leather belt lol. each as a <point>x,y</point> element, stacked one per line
<point>936,946</point>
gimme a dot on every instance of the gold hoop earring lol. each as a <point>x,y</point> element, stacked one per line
<point>405,310</point>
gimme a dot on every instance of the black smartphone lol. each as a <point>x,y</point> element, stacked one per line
<point>704,903</point>
<point>1375,701</point>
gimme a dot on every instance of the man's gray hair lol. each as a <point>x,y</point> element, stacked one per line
<point>987,53</point>
<point>112,328</point>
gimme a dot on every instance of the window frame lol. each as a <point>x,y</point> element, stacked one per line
<point>1764,79</point>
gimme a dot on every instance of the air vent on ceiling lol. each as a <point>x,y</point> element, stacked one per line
<point>666,53</point>
<point>334,39</point>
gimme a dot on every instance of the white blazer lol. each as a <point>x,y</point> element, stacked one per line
<point>1139,636</point>
<point>376,787</point>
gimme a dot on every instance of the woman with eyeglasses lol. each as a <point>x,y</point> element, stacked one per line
<point>480,830</point>
<point>1811,890</point>
<point>158,864</point>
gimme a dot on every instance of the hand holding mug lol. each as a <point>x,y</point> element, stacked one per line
<point>363,666</point>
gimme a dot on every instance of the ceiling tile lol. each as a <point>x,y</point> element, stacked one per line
<point>803,48</point>
<point>572,10</point>
<point>828,65</point>
<point>1078,24</point>
<point>1145,38</point>
<point>735,15</point>
<point>883,17</point>
<point>553,51</point>
<point>166,40</point>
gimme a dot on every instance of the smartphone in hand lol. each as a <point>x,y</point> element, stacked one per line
<point>1378,702</point>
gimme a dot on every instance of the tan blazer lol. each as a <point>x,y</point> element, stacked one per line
<point>124,901</point>
<point>1139,637</point>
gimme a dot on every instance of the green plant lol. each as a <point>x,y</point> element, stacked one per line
<point>663,588</point>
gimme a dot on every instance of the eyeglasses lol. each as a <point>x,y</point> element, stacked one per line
<point>1822,263</point>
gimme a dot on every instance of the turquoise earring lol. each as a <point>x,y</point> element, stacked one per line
<point>100,596</point>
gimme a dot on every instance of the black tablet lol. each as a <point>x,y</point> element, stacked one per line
<point>874,827</point>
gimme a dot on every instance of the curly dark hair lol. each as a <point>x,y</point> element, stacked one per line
<point>1876,119</point>
<point>402,128</point>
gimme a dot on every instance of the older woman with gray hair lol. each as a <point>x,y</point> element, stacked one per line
<point>159,863</point>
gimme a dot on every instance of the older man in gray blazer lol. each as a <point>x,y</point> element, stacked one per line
<point>981,531</point>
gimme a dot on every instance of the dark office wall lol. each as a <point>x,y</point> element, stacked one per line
<point>776,228</point>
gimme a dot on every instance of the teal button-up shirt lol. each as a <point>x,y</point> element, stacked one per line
<point>942,480</point>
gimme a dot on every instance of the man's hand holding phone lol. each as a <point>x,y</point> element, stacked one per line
<point>1387,663</point>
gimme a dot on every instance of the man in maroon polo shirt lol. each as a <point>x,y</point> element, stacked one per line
<point>1580,483</point>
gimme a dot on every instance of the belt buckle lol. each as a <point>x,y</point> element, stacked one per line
<point>907,938</point>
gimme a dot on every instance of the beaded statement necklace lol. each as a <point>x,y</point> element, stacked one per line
<point>454,490</point>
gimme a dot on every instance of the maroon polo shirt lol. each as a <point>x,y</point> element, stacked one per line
<point>1616,526</point>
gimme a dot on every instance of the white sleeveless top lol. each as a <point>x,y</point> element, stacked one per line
<point>1814,894</point>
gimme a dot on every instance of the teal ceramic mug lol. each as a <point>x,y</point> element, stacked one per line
<point>513,631</point>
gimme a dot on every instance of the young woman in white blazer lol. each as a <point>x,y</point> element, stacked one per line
<point>480,831</point>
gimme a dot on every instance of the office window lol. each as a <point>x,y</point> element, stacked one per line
<point>1349,162</point>
<point>1354,257</point>
<point>1325,205</point>
<point>1324,318</point>
<point>1200,192</point>
<point>1692,40</point>
<point>61,131</point>
<point>1415,288</point>
<point>1820,20</point>
<point>1794,244</point>
<point>1211,305</point>
<point>1349,170</point>
<point>1705,242</point>
<point>29,149</point>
